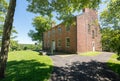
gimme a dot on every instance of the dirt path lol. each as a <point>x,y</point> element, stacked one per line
<point>82,68</point>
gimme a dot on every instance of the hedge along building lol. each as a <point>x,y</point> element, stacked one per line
<point>83,36</point>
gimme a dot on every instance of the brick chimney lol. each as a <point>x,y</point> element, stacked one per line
<point>53,24</point>
<point>86,10</point>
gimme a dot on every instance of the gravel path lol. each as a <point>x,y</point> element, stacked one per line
<point>82,68</point>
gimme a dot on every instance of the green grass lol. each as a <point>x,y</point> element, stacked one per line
<point>28,66</point>
<point>90,53</point>
<point>114,63</point>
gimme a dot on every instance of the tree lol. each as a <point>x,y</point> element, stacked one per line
<point>3,9</point>
<point>106,35</point>
<point>14,46</point>
<point>110,17</point>
<point>6,37</point>
<point>41,25</point>
<point>63,8</point>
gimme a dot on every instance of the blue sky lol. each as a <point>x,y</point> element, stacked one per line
<point>23,22</point>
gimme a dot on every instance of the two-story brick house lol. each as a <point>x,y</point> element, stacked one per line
<point>84,36</point>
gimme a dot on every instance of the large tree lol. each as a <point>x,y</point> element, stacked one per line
<point>110,17</point>
<point>6,37</point>
<point>63,8</point>
<point>41,24</point>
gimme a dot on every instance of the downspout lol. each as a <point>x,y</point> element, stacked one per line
<point>76,37</point>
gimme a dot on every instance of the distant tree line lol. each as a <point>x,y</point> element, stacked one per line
<point>14,46</point>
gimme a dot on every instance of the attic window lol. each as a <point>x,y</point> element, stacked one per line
<point>68,28</point>
<point>59,30</point>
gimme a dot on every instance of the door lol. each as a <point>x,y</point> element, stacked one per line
<point>53,45</point>
<point>93,46</point>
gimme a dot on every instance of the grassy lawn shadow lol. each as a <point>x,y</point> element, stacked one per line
<point>27,70</point>
<point>115,67</point>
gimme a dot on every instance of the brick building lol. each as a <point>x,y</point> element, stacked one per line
<point>83,36</point>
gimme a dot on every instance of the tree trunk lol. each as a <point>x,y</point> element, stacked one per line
<point>6,37</point>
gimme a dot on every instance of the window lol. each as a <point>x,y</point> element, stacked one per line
<point>67,42</point>
<point>48,44</point>
<point>93,34</point>
<point>68,28</point>
<point>48,34</point>
<point>53,31</point>
<point>89,28</point>
<point>59,43</point>
<point>96,32</point>
<point>59,30</point>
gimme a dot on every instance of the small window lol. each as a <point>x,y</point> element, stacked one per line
<point>67,42</point>
<point>48,43</point>
<point>59,30</point>
<point>53,31</point>
<point>68,28</point>
<point>48,34</point>
<point>93,34</point>
<point>89,28</point>
<point>59,43</point>
<point>96,32</point>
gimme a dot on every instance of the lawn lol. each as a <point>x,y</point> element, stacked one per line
<point>28,66</point>
<point>114,63</point>
<point>90,53</point>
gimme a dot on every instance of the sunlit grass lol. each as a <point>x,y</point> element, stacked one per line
<point>90,53</point>
<point>114,63</point>
<point>28,66</point>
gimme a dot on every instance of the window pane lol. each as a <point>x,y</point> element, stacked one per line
<point>68,42</point>
<point>93,34</point>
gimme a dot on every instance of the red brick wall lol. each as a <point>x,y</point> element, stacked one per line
<point>61,36</point>
<point>80,39</point>
<point>84,37</point>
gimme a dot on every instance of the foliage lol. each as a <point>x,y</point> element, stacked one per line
<point>106,35</point>
<point>114,63</point>
<point>41,25</point>
<point>28,65</point>
<point>63,8</point>
<point>111,39</point>
<point>3,9</point>
<point>110,18</point>
<point>90,53</point>
<point>13,45</point>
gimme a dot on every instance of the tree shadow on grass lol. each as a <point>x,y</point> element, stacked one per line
<point>27,70</point>
<point>115,67</point>
<point>85,71</point>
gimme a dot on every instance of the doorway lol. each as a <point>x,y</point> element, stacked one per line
<point>93,46</point>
